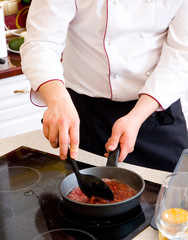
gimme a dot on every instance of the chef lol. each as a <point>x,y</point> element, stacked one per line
<point>109,72</point>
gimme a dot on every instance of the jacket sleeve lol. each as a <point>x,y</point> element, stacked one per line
<point>169,80</point>
<point>47,24</point>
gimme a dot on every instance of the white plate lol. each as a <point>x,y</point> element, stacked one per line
<point>14,51</point>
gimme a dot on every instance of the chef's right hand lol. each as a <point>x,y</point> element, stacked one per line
<point>60,121</point>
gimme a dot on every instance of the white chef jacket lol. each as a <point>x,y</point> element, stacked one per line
<point>116,49</point>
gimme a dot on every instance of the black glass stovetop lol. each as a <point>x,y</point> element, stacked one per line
<point>31,207</point>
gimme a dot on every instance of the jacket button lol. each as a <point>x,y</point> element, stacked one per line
<point>116,2</point>
<point>148,74</point>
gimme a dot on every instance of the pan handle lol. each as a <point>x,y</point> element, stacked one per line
<point>113,157</point>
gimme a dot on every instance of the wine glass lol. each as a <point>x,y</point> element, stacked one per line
<point>171,213</point>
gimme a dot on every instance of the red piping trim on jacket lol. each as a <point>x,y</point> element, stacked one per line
<point>76,4</point>
<point>38,89</point>
<point>153,98</point>
<point>105,49</point>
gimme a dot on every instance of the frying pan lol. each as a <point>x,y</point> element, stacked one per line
<point>110,171</point>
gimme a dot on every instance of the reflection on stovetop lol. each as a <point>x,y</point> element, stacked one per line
<point>57,216</point>
<point>30,203</point>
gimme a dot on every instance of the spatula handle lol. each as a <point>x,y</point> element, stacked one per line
<point>74,165</point>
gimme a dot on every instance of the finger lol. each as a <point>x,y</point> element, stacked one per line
<point>112,143</point>
<point>63,143</point>
<point>123,152</point>
<point>54,136</point>
<point>45,129</point>
<point>126,148</point>
<point>74,141</point>
<point>53,132</point>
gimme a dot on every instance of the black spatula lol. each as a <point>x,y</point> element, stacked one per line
<point>89,184</point>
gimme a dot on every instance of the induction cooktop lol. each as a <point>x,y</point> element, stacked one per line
<point>31,207</point>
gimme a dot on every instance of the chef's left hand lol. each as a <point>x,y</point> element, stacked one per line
<point>125,129</point>
<point>124,132</point>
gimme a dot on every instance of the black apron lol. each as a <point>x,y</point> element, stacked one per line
<point>160,141</point>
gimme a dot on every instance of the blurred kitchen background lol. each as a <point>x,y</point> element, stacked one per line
<point>17,114</point>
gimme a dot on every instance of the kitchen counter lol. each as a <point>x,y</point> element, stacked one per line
<point>11,67</point>
<point>36,140</point>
